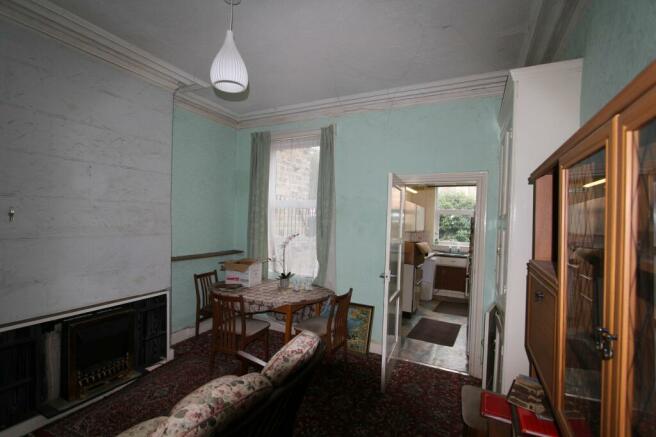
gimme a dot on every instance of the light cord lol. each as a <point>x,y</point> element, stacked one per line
<point>232,7</point>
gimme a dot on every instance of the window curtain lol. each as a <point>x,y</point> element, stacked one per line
<point>326,210</point>
<point>258,200</point>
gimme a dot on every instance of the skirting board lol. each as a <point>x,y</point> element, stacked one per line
<point>39,421</point>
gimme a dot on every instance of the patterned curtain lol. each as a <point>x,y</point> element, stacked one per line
<point>326,210</point>
<point>258,200</point>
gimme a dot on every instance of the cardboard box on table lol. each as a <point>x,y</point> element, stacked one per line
<point>246,272</point>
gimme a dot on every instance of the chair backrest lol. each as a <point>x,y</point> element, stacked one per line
<point>227,311</point>
<point>337,320</point>
<point>203,283</point>
<point>277,415</point>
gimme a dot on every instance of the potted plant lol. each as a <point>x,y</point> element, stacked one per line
<point>285,276</point>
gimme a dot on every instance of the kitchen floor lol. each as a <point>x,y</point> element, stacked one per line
<point>452,358</point>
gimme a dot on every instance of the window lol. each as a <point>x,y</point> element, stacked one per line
<point>454,211</point>
<point>293,178</point>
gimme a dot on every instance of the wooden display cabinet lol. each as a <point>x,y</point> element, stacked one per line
<point>591,324</point>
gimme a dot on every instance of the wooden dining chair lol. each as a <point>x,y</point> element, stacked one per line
<point>203,283</point>
<point>232,331</point>
<point>333,329</point>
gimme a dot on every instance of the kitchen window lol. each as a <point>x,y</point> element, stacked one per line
<point>454,212</point>
<point>293,179</point>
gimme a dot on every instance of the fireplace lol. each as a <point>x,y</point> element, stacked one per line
<point>59,363</point>
<point>97,350</point>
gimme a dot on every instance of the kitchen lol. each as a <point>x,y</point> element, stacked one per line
<point>438,248</point>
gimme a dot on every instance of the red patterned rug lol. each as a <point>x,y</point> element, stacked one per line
<point>344,399</point>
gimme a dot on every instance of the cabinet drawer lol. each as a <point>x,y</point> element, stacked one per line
<point>541,330</point>
<point>451,261</point>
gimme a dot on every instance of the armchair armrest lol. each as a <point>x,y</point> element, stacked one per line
<point>245,356</point>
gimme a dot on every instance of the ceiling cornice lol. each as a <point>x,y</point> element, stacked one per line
<point>202,106</point>
<point>56,22</point>
<point>488,84</point>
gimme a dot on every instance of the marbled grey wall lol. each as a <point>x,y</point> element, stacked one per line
<point>85,159</point>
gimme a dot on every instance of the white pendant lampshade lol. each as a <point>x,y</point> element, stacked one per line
<point>228,72</point>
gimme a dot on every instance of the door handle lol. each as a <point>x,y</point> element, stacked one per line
<point>539,296</point>
<point>603,342</point>
<point>383,276</point>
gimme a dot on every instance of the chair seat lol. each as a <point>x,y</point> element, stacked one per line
<point>318,325</point>
<point>253,326</point>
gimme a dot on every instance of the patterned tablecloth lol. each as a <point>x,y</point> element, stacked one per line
<point>267,296</point>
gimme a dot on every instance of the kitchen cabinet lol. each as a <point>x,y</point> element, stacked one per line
<point>414,217</point>
<point>451,276</point>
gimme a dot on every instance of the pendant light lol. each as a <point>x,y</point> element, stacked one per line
<point>228,72</point>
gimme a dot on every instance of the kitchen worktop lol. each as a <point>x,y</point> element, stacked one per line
<point>451,255</point>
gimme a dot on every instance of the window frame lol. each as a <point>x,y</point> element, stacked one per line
<point>277,144</point>
<point>450,211</point>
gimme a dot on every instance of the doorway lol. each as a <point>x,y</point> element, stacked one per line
<point>443,267</point>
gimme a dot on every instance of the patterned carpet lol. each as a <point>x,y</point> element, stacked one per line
<point>344,399</point>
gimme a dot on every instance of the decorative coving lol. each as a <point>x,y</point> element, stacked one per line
<point>56,22</point>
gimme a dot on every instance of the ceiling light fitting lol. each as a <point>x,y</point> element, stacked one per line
<point>228,72</point>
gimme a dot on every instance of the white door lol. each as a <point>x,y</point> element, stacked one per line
<point>392,278</point>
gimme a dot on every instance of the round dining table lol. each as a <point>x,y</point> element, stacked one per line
<point>269,297</point>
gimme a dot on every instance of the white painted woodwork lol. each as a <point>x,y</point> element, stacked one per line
<point>541,109</point>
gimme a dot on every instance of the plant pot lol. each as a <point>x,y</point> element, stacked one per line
<point>284,283</point>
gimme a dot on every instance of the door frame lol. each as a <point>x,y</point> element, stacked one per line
<point>475,319</point>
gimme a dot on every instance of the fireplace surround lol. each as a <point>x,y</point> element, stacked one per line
<point>56,363</point>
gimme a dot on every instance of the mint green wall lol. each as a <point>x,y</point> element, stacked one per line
<point>202,203</point>
<point>617,39</point>
<point>453,136</point>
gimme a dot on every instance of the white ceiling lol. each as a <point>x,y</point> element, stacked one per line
<point>299,51</point>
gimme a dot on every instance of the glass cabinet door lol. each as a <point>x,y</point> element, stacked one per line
<point>637,303</point>
<point>583,284</point>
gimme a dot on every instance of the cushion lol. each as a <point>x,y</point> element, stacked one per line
<point>144,429</point>
<point>318,325</point>
<point>292,356</point>
<point>203,394</point>
<point>213,406</point>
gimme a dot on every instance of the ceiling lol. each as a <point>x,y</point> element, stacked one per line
<point>299,51</point>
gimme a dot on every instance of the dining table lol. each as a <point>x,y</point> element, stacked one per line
<point>267,296</point>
